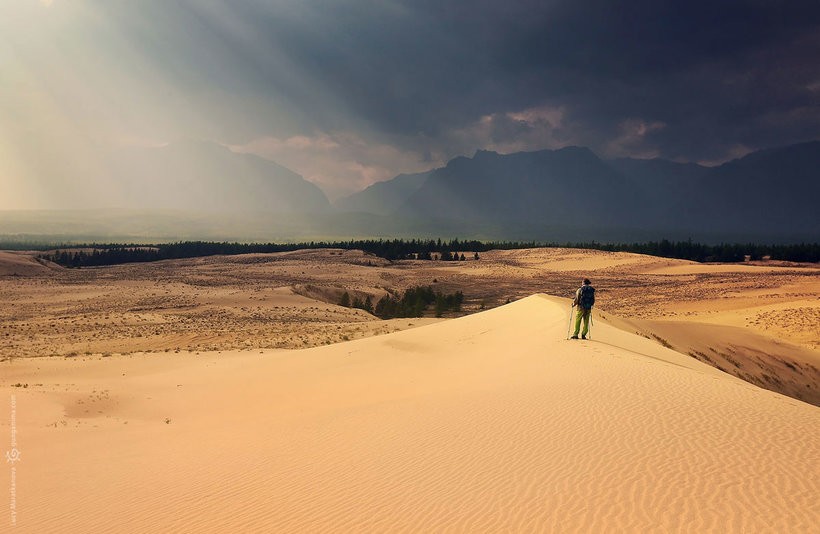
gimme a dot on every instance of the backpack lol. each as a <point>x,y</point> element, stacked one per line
<point>587,297</point>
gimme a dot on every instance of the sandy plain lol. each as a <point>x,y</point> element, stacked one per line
<point>758,322</point>
<point>233,394</point>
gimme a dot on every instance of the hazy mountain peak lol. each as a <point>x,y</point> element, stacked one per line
<point>383,198</point>
<point>202,175</point>
<point>810,149</point>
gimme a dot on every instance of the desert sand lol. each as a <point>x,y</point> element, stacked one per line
<point>493,422</point>
<point>758,322</point>
<point>233,394</point>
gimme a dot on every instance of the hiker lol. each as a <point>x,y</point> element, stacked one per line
<point>584,299</point>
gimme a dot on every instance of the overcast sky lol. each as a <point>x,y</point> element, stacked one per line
<point>350,92</point>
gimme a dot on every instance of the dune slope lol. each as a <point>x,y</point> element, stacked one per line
<point>14,263</point>
<point>491,422</point>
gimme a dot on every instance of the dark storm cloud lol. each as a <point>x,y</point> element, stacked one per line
<point>692,80</point>
<point>716,74</point>
<point>350,92</point>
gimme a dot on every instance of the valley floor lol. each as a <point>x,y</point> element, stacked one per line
<point>758,322</point>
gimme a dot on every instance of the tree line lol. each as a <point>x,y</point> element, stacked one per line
<point>414,302</point>
<point>95,255</point>
<point>724,252</point>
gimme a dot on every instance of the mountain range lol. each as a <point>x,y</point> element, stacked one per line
<point>768,194</point>
<point>198,189</point>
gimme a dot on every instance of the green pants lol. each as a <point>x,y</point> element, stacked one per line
<point>582,314</point>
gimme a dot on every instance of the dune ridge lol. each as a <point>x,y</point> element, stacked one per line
<point>486,423</point>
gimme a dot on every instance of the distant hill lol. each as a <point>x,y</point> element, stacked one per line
<point>383,198</point>
<point>770,192</point>
<point>777,190</point>
<point>767,195</point>
<point>205,176</point>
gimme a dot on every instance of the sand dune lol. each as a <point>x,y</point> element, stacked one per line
<point>14,263</point>
<point>488,423</point>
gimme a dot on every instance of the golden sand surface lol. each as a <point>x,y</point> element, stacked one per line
<point>492,422</point>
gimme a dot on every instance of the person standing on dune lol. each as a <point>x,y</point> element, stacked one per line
<point>584,299</point>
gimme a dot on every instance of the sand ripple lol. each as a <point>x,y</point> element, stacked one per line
<point>489,423</point>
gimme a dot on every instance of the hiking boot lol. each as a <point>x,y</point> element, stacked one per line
<point>582,337</point>
<point>574,337</point>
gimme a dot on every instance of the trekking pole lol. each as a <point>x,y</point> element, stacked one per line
<point>591,324</point>
<point>569,326</point>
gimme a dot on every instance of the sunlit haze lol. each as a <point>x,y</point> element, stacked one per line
<point>351,93</point>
